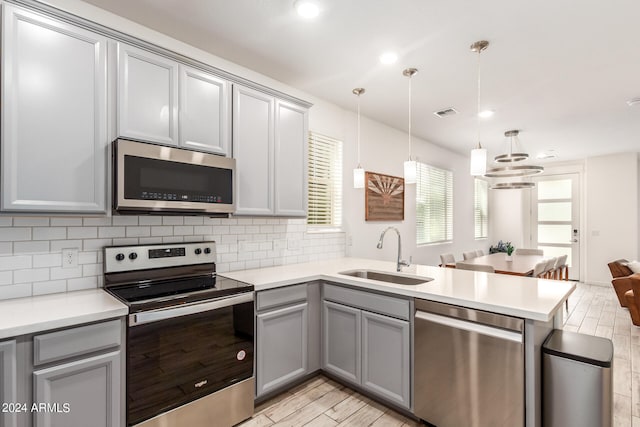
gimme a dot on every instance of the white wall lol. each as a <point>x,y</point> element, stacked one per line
<point>507,210</point>
<point>611,213</point>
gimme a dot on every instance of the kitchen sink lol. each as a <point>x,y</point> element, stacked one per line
<point>380,276</point>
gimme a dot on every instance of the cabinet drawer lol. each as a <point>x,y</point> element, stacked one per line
<point>76,341</point>
<point>377,303</point>
<point>281,296</point>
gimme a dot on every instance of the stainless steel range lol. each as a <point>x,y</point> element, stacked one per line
<point>190,335</point>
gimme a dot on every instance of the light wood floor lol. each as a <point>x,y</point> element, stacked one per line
<point>593,310</point>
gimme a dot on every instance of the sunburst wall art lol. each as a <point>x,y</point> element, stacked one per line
<point>384,197</point>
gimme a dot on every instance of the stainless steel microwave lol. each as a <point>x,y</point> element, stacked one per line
<point>151,178</point>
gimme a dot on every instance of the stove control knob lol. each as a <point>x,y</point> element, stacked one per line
<point>198,251</point>
<point>133,256</point>
<point>119,257</point>
<point>207,250</point>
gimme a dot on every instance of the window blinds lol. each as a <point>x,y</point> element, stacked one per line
<point>325,181</point>
<point>480,208</point>
<point>434,205</point>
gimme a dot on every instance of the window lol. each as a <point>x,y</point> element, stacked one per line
<point>480,208</point>
<point>434,205</point>
<point>324,208</point>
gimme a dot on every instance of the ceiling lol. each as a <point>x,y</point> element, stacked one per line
<point>560,71</point>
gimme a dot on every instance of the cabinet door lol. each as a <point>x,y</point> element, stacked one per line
<point>291,159</point>
<point>8,385</point>
<point>54,115</point>
<point>281,347</point>
<point>341,341</point>
<point>253,150</point>
<point>147,96</point>
<point>205,104</point>
<point>90,387</point>
<point>386,357</point>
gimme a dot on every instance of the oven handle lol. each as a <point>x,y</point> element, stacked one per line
<point>185,310</point>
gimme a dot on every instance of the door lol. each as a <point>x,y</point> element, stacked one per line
<point>555,218</point>
<point>341,341</point>
<point>147,96</point>
<point>386,357</point>
<point>8,385</point>
<point>281,347</point>
<point>87,389</point>
<point>205,104</point>
<point>291,160</point>
<point>54,133</point>
<point>253,150</point>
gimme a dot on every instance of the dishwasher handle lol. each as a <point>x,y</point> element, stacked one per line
<point>469,326</point>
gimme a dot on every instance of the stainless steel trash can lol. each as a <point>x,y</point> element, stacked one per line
<point>577,380</point>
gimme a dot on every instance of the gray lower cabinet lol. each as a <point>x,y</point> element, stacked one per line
<point>386,357</point>
<point>367,349</point>
<point>8,383</point>
<point>79,393</point>
<point>282,346</point>
<point>341,340</point>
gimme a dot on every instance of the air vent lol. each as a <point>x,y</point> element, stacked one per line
<point>446,112</point>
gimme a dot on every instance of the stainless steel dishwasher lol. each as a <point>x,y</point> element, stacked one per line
<point>469,367</point>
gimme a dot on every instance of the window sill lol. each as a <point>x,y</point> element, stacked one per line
<point>324,230</point>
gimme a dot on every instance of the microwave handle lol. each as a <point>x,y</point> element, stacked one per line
<point>185,310</point>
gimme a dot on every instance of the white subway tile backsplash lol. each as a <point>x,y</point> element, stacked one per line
<point>30,275</point>
<point>31,259</point>
<point>48,233</point>
<point>39,246</point>
<point>82,232</point>
<point>47,260</point>
<point>31,221</point>
<point>15,234</point>
<point>49,287</point>
<point>82,283</point>
<point>124,220</point>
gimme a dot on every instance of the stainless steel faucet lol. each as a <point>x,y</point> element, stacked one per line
<point>400,262</point>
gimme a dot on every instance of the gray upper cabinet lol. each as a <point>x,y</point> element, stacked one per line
<point>281,347</point>
<point>290,159</point>
<point>147,96</point>
<point>8,385</point>
<point>205,108</point>
<point>270,147</point>
<point>386,357</point>
<point>341,341</point>
<point>54,115</point>
<point>253,121</point>
<point>90,387</point>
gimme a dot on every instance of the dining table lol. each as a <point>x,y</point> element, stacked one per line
<point>520,265</point>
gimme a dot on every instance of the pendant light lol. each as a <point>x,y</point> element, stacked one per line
<point>513,169</point>
<point>358,172</point>
<point>478,165</point>
<point>410,165</point>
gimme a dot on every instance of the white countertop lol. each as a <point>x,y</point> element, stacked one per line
<point>525,297</point>
<point>34,314</point>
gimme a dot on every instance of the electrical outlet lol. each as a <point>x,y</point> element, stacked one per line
<point>70,258</point>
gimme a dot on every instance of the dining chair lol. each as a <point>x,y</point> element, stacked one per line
<point>475,267</point>
<point>562,269</point>
<point>447,260</point>
<point>479,252</point>
<point>468,255</point>
<point>529,251</point>
<point>538,269</point>
<point>548,269</point>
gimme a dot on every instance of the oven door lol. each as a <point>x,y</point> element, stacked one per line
<point>176,355</point>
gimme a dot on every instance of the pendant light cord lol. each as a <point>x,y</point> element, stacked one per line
<point>478,113</point>
<point>410,78</point>
<point>358,145</point>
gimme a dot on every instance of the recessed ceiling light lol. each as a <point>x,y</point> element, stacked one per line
<point>388,58</point>
<point>633,101</point>
<point>549,154</point>
<point>486,114</point>
<point>307,9</point>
